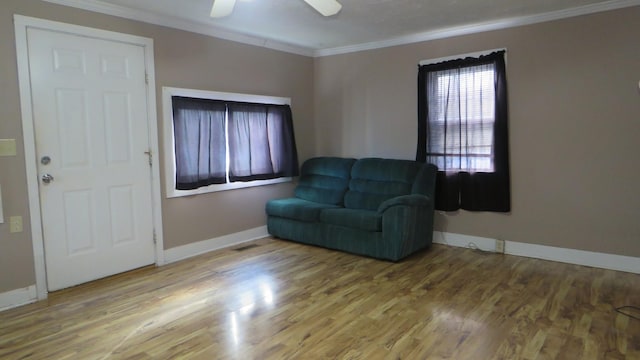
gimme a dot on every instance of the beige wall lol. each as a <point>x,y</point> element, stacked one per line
<point>182,59</point>
<point>574,125</point>
<point>574,108</point>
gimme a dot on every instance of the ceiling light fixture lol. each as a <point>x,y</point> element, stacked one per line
<point>222,8</point>
<point>325,7</point>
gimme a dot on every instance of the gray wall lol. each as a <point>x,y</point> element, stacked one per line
<point>574,125</point>
<point>182,59</point>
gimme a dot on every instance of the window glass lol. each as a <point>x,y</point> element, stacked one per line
<point>461,118</point>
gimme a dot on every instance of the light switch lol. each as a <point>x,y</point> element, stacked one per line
<point>15,224</point>
<point>7,147</point>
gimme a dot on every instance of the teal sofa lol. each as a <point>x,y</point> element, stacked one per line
<point>382,208</point>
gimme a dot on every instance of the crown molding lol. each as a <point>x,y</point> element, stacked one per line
<point>480,27</point>
<point>211,30</point>
<point>177,23</point>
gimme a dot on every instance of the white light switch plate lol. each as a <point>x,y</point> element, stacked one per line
<point>1,216</point>
<point>7,147</point>
<point>15,224</point>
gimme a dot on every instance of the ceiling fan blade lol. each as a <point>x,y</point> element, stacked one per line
<point>325,7</point>
<point>222,8</point>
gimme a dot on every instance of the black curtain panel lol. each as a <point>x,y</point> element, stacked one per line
<point>282,141</point>
<point>462,128</point>
<point>200,147</point>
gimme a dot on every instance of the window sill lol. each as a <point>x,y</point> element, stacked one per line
<point>173,193</point>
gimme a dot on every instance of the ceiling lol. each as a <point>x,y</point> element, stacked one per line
<point>292,25</point>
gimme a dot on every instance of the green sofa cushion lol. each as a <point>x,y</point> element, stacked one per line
<point>322,189</point>
<point>297,209</point>
<point>357,219</point>
<point>375,180</point>
<point>364,201</point>
<point>324,180</point>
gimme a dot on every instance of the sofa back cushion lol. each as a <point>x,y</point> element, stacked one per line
<point>425,183</point>
<point>375,180</point>
<point>324,180</point>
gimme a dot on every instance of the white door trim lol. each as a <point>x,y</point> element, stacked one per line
<point>22,23</point>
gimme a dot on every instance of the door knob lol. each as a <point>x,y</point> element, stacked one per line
<point>47,178</point>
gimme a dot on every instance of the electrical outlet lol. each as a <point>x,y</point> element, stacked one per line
<point>15,224</point>
<point>500,246</point>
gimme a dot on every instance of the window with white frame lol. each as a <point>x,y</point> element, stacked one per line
<point>220,141</point>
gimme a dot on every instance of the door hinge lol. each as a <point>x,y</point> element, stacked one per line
<point>146,78</point>
<point>155,241</point>
<point>150,156</point>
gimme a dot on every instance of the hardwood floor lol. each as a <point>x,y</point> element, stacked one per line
<point>275,299</point>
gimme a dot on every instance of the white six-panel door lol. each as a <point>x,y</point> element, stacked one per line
<point>90,119</point>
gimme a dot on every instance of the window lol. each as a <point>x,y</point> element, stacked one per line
<point>220,141</point>
<point>461,118</point>
<point>462,128</point>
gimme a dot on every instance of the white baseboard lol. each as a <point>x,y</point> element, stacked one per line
<point>570,256</point>
<point>18,297</point>
<point>201,247</point>
<point>460,240</point>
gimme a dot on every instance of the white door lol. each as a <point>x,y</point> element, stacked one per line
<point>90,118</point>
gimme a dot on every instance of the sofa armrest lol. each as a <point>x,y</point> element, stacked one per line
<point>407,224</point>
<point>405,200</point>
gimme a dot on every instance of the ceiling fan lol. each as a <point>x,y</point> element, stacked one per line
<point>222,8</point>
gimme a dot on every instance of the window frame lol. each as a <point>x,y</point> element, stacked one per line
<point>169,138</point>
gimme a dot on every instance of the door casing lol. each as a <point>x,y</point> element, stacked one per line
<point>22,23</point>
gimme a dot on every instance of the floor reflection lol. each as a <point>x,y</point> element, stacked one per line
<point>257,294</point>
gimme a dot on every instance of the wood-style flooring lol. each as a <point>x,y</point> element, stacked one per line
<point>273,299</point>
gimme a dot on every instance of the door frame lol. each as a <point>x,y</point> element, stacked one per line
<point>22,23</point>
